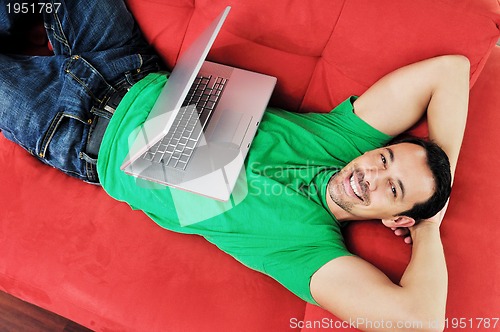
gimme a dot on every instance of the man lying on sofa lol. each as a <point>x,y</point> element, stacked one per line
<point>323,169</point>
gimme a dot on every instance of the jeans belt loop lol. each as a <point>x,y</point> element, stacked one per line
<point>101,121</point>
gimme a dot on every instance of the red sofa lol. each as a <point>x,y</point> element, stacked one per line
<point>68,247</point>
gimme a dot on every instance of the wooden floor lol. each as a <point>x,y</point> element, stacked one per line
<point>19,316</point>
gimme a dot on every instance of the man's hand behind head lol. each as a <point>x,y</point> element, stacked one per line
<point>436,220</point>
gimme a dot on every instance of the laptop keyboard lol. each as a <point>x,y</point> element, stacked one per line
<point>176,148</point>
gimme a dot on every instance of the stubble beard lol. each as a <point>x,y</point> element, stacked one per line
<point>336,191</point>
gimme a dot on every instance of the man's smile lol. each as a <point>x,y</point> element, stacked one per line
<point>354,188</point>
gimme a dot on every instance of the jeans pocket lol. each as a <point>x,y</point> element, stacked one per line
<point>63,142</point>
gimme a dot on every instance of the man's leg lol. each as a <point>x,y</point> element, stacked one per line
<point>77,27</point>
<point>48,104</point>
<point>36,114</point>
<point>7,18</point>
<point>103,32</point>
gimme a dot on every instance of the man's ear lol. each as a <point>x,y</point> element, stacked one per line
<point>399,221</point>
<point>404,221</point>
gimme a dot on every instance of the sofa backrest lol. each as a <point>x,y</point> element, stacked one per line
<point>325,50</point>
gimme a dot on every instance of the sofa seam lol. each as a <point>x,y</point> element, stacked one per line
<point>185,33</point>
<point>318,58</point>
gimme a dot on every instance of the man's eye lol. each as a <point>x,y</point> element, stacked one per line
<point>384,161</point>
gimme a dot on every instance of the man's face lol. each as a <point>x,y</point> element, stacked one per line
<point>382,183</point>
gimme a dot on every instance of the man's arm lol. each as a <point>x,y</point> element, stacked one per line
<point>439,85</point>
<point>354,289</point>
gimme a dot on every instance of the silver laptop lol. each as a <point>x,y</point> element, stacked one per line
<point>199,131</point>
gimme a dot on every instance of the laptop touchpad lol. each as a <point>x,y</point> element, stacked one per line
<point>231,128</point>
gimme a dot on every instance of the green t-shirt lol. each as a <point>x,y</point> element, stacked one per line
<point>277,221</point>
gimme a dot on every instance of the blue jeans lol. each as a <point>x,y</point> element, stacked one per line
<point>48,103</point>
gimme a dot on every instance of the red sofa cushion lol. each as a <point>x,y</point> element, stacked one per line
<point>70,248</point>
<point>324,51</point>
<point>66,246</point>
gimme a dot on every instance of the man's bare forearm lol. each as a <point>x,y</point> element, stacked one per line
<point>426,277</point>
<point>447,110</point>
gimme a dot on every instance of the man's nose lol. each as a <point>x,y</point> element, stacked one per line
<point>372,178</point>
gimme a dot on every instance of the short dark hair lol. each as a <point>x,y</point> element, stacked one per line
<point>439,164</point>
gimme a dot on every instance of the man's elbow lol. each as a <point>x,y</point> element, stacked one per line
<point>423,315</point>
<point>462,61</point>
<point>456,64</point>
<point>429,321</point>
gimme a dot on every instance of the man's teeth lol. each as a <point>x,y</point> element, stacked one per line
<point>353,186</point>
